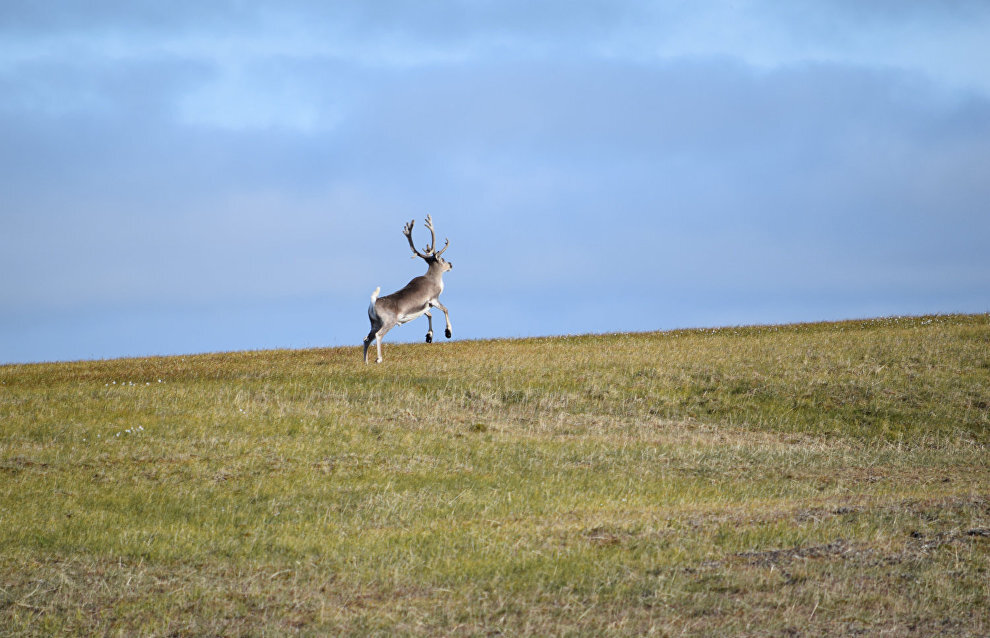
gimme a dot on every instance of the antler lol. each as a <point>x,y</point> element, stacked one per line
<point>433,246</point>
<point>430,249</point>
<point>407,231</point>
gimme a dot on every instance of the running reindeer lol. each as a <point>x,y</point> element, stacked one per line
<point>415,299</point>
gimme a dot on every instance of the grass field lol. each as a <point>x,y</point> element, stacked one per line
<point>820,479</point>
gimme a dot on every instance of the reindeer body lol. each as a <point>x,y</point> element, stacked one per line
<point>412,301</point>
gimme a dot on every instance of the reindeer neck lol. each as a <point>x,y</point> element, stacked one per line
<point>434,271</point>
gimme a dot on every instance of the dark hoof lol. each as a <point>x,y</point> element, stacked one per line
<point>429,338</point>
<point>447,332</point>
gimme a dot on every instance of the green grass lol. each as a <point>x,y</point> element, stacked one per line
<point>820,479</point>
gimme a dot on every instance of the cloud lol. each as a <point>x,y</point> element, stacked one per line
<point>720,164</point>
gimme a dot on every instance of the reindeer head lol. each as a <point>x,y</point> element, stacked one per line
<point>430,253</point>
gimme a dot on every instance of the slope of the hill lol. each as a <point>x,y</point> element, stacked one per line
<point>818,478</point>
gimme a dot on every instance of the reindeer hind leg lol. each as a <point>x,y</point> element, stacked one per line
<point>385,327</point>
<point>376,326</point>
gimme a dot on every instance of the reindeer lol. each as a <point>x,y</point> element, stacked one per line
<point>416,299</point>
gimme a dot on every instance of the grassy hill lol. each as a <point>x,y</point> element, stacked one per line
<point>819,479</point>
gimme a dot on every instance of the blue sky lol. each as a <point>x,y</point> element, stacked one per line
<point>189,177</point>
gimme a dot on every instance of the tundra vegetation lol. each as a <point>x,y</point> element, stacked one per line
<point>814,479</point>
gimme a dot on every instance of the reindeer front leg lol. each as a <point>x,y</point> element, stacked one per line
<point>446,316</point>
<point>429,334</point>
